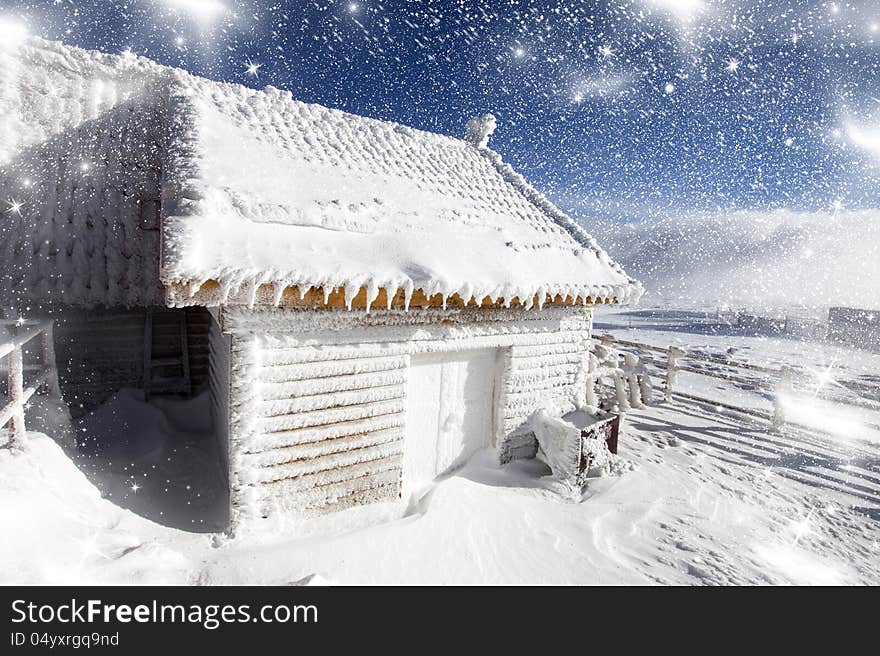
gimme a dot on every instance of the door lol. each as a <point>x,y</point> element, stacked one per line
<point>449,413</point>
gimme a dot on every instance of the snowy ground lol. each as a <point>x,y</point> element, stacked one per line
<point>696,498</point>
<point>827,381</point>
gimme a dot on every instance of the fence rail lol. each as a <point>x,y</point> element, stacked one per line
<point>782,380</point>
<point>12,349</point>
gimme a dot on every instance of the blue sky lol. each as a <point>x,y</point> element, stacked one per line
<point>623,109</point>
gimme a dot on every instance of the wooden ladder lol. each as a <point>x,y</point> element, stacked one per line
<point>160,356</point>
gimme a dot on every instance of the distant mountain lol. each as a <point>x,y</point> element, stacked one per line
<point>781,259</point>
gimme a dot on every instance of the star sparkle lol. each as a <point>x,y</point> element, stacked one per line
<point>253,68</point>
<point>14,207</point>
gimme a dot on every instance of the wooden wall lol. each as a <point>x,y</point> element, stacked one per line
<point>547,373</point>
<point>198,326</point>
<point>319,427</point>
<point>100,351</point>
<point>317,406</point>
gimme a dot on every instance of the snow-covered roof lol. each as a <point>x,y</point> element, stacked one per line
<point>259,194</point>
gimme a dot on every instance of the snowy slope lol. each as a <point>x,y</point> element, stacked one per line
<point>59,530</point>
<point>778,259</point>
<point>697,499</point>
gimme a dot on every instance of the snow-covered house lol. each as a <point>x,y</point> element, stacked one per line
<point>368,303</point>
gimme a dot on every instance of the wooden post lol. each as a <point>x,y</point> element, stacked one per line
<point>16,397</point>
<point>782,388</point>
<point>671,360</point>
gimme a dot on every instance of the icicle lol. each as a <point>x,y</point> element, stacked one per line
<point>372,293</point>
<point>302,290</point>
<point>277,293</point>
<point>542,297</point>
<point>253,286</point>
<point>429,290</point>
<point>466,293</point>
<point>408,289</point>
<point>327,291</point>
<point>351,290</point>
<point>193,287</point>
<point>225,288</point>
<point>390,293</point>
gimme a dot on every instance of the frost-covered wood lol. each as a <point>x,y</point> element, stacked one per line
<point>316,432</point>
<point>80,148</point>
<point>20,391</point>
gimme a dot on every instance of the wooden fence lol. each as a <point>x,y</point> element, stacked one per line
<point>20,390</point>
<point>777,381</point>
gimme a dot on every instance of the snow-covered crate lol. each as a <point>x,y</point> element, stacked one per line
<point>574,443</point>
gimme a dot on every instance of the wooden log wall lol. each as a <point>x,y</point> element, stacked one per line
<point>317,407</point>
<point>549,374</point>
<point>322,428</point>
<point>98,352</point>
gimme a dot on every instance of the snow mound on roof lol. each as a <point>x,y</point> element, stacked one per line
<point>279,192</point>
<point>750,259</point>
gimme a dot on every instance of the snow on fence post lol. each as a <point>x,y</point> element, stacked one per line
<point>782,388</point>
<point>592,401</point>
<point>620,391</point>
<point>645,388</point>
<point>671,362</point>
<point>13,413</point>
<point>631,362</point>
<point>16,397</point>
